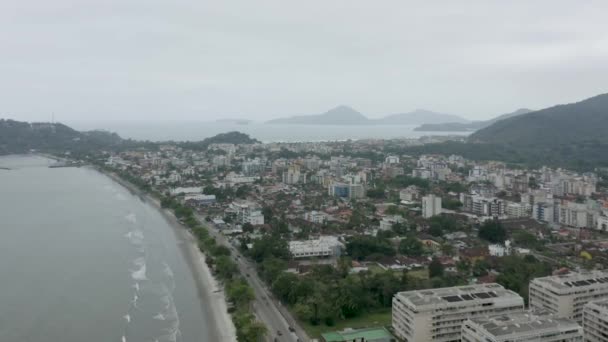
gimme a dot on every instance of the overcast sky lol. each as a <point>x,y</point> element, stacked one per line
<point>202,60</point>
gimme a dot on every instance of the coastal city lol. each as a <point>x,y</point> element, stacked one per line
<point>344,241</point>
<point>303,171</point>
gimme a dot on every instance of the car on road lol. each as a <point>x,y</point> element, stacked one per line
<point>292,329</point>
<point>279,333</point>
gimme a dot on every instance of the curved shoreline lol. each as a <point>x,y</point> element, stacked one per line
<point>211,296</point>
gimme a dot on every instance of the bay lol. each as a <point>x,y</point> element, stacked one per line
<point>199,130</point>
<point>83,259</point>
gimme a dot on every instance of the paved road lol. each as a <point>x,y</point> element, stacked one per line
<point>268,310</point>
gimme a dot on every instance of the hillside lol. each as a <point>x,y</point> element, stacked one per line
<point>234,137</point>
<point>575,123</point>
<point>18,137</point>
<point>21,137</point>
<point>342,115</point>
<point>467,127</point>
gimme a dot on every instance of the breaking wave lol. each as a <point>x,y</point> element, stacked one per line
<point>140,272</point>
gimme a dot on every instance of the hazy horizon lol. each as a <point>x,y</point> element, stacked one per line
<point>196,61</point>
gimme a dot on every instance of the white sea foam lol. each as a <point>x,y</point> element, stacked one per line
<point>134,300</point>
<point>127,318</point>
<point>124,339</point>
<point>159,317</point>
<point>136,237</point>
<point>140,272</point>
<point>167,270</point>
<point>131,218</point>
<point>136,287</point>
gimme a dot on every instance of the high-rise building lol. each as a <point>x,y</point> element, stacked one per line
<point>566,295</point>
<point>438,314</point>
<point>521,327</point>
<point>293,175</point>
<point>595,321</point>
<point>431,206</point>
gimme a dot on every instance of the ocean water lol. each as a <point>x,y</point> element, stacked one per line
<point>198,130</point>
<point>83,259</point>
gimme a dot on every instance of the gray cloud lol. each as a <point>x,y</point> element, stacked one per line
<point>202,60</point>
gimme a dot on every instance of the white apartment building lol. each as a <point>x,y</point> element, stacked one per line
<point>254,166</point>
<point>602,222</point>
<point>431,206</point>
<point>219,161</point>
<point>566,295</point>
<point>438,314</point>
<point>387,222</point>
<point>517,210</point>
<point>187,190</point>
<point>543,211</point>
<point>411,193</point>
<point>324,246</point>
<point>293,175</point>
<point>246,212</point>
<point>595,321</point>
<point>315,216</point>
<point>521,327</point>
<point>391,160</point>
<point>482,206</point>
<point>234,179</point>
<point>579,215</point>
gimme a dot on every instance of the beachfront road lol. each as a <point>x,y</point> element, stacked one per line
<point>275,316</point>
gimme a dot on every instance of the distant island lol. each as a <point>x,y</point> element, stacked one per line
<point>345,115</point>
<point>234,121</point>
<point>467,127</point>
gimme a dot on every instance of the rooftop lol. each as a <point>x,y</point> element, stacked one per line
<point>524,323</point>
<point>352,335</point>
<point>455,294</point>
<point>574,280</point>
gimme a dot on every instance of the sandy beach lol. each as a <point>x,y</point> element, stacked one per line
<point>211,294</point>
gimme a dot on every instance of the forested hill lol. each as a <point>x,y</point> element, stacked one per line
<point>234,137</point>
<point>577,123</point>
<point>22,137</point>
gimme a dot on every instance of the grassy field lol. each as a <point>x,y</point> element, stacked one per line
<point>372,319</point>
<point>421,273</point>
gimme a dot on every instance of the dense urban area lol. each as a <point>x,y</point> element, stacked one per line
<point>354,241</point>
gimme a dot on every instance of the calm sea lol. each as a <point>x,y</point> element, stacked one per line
<point>197,130</point>
<point>82,259</point>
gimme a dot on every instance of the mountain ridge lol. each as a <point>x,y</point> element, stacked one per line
<point>345,115</point>
<point>564,124</point>
<point>467,127</point>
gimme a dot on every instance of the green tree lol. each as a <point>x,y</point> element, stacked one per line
<point>240,293</point>
<point>225,267</point>
<point>269,246</point>
<point>283,285</point>
<point>435,268</point>
<point>359,247</point>
<point>411,246</point>
<point>493,231</point>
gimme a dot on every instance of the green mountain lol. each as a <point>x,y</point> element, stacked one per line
<point>22,137</point>
<point>575,123</point>
<point>234,137</point>
<point>467,127</point>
